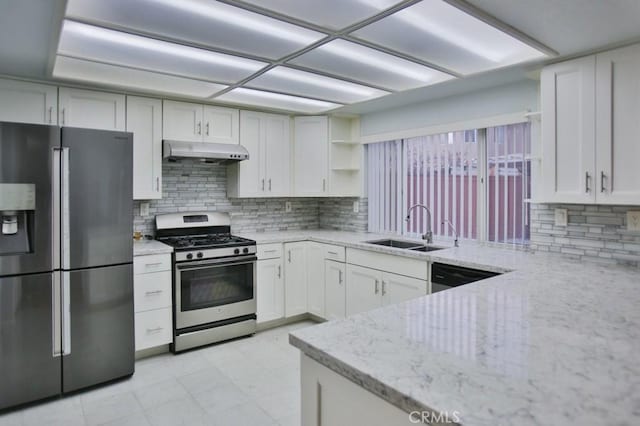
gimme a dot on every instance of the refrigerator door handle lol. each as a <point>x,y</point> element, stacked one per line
<point>66,315</point>
<point>56,207</point>
<point>56,313</point>
<point>64,189</point>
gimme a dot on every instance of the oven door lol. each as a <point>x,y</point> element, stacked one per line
<point>213,290</point>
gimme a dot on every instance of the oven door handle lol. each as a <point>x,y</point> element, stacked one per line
<point>213,262</point>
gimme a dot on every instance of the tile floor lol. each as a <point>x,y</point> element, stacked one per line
<point>251,381</point>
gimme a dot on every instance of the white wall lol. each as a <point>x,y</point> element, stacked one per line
<point>495,101</point>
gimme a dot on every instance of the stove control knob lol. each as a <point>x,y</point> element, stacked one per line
<point>189,256</point>
<point>200,254</point>
<point>236,251</point>
<point>245,250</point>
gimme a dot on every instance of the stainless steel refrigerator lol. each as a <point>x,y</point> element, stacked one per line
<point>66,260</point>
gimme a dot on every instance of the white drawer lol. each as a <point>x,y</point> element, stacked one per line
<point>151,263</point>
<point>152,291</point>
<point>332,252</point>
<point>269,251</point>
<point>153,328</point>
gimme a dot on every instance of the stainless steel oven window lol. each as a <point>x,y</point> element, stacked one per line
<point>209,284</point>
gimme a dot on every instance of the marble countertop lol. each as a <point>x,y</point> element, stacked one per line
<point>554,341</point>
<point>147,247</point>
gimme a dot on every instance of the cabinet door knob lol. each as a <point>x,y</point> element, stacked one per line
<point>199,127</point>
<point>377,289</point>
<point>263,184</point>
<point>384,284</point>
<point>602,178</point>
<point>50,114</point>
<point>279,271</point>
<point>339,277</point>
<point>207,129</point>
<point>289,256</point>
<point>269,184</point>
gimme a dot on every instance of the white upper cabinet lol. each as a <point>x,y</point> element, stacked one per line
<point>182,121</point>
<point>23,102</point>
<point>311,152</point>
<point>267,171</point>
<point>568,131</point>
<point>91,109</point>
<point>618,126</point>
<point>191,122</point>
<point>221,125</point>
<point>591,129</point>
<point>144,120</point>
<point>277,155</point>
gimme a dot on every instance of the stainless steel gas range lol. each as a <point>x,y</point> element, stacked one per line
<point>214,294</point>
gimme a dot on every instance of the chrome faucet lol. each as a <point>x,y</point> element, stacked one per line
<point>455,242</point>
<point>428,235</point>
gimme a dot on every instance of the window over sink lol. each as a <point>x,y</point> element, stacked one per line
<point>476,181</point>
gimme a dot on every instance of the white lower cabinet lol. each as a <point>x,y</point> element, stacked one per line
<point>330,399</point>
<point>363,289</point>
<point>153,328</point>
<point>335,289</point>
<point>315,279</point>
<point>370,288</point>
<point>270,290</point>
<point>295,278</point>
<point>398,288</point>
<point>152,300</point>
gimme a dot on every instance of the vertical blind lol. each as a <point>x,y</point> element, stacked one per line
<point>443,173</point>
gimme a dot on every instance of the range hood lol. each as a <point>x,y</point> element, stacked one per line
<point>208,152</point>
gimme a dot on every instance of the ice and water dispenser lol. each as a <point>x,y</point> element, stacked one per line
<point>17,207</point>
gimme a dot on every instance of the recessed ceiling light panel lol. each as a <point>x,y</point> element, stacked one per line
<point>203,22</point>
<point>120,48</point>
<point>444,35</point>
<point>111,75</point>
<point>271,100</point>
<point>360,63</point>
<point>332,14</point>
<point>296,82</point>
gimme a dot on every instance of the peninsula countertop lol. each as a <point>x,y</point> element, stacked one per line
<point>554,341</point>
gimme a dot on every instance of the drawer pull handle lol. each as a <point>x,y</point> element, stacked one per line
<point>150,265</point>
<point>335,253</point>
<point>270,251</point>
<point>154,330</point>
<point>153,293</point>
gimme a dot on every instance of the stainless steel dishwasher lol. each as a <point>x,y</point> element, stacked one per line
<point>444,277</point>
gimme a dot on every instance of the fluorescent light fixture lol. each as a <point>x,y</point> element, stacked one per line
<point>357,62</point>
<point>261,98</point>
<point>248,20</point>
<point>293,81</point>
<point>159,46</point>
<point>376,59</point>
<point>332,14</point>
<point>200,22</point>
<point>111,75</point>
<point>101,44</point>
<point>449,37</point>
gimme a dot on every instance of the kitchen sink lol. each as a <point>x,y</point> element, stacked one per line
<point>426,248</point>
<point>394,243</point>
<point>409,245</point>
